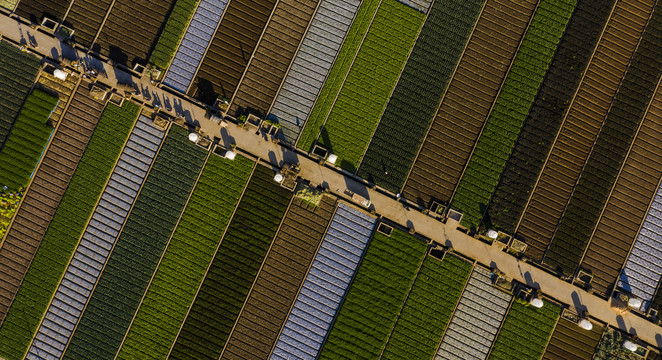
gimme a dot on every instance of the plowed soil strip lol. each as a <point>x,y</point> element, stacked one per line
<point>36,10</point>
<point>571,342</point>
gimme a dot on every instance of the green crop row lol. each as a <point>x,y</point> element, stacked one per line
<point>233,269</point>
<point>428,309</point>
<point>370,81</point>
<point>27,140</point>
<point>510,110</point>
<point>187,257</point>
<point>418,93</point>
<point>337,74</point>
<point>525,332</point>
<point>65,230</point>
<point>172,33</point>
<point>138,249</point>
<point>375,297</point>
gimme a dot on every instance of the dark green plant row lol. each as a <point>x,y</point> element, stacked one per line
<point>547,113</point>
<point>428,309</point>
<point>233,269</point>
<point>186,259</point>
<point>172,33</point>
<point>510,110</point>
<point>525,332</point>
<point>138,249</point>
<point>375,297</point>
<point>65,230</point>
<point>417,95</point>
<point>609,152</point>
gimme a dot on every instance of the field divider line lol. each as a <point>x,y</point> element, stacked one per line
<point>165,250</point>
<point>241,196</point>
<point>66,13</point>
<point>503,321</point>
<point>103,23</point>
<point>443,95</point>
<point>551,334</point>
<point>110,253</point>
<point>179,43</point>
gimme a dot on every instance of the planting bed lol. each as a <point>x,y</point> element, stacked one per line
<point>468,100</point>
<point>370,81</point>
<point>44,195</point>
<point>525,332</point>
<point>85,18</point>
<point>100,234</point>
<point>68,224</point>
<point>325,285</point>
<point>172,33</point>
<point>510,110</point>
<point>138,249</point>
<point>428,308</point>
<point>276,287</point>
<point>234,268</point>
<point>581,126</point>
<point>183,266</point>
<point>273,56</point>
<point>546,115</point>
<point>63,89</point>
<point>36,10</point>
<point>571,342</point>
<point>8,4</point>
<point>311,65</point>
<point>131,30</point>
<point>611,347</point>
<point>231,49</point>
<point>418,93</point>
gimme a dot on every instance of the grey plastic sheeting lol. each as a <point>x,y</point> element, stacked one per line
<point>194,44</point>
<point>97,241</point>
<point>325,285</point>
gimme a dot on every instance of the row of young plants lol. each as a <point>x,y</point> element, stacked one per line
<point>336,76</point>
<point>547,113</point>
<point>65,229</point>
<point>370,81</point>
<point>510,110</point>
<point>172,33</point>
<point>27,140</point>
<point>525,331</point>
<point>186,259</point>
<point>428,308</point>
<point>233,269</point>
<point>372,304</point>
<point>609,152</point>
<point>138,249</point>
<point>417,95</point>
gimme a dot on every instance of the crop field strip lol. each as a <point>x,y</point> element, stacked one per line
<point>64,89</point>
<point>610,347</point>
<point>525,331</point>
<point>35,10</point>
<point>98,237</point>
<point>69,222</point>
<point>419,91</point>
<point>325,286</point>
<point>45,192</point>
<point>581,125</point>
<point>609,152</point>
<point>547,112</point>
<point>135,255</point>
<point>8,4</point>
<point>85,18</point>
<point>373,302</point>
<point>273,56</point>
<point>311,65</point>
<point>231,49</point>
<point>234,269</point>
<point>428,309</point>
<point>571,342</point>
<point>194,45</point>
<point>377,66</point>
<point>468,100</point>
<point>142,20</point>
<point>179,18</point>
<point>187,257</point>
<point>476,319</point>
<point>276,286</point>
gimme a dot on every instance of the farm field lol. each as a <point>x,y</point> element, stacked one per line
<point>64,90</point>
<point>611,347</point>
<point>581,126</point>
<point>428,309</point>
<point>68,223</point>
<point>571,342</point>
<point>189,252</point>
<point>8,4</point>
<point>418,92</point>
<point>172,33</point>
<point>134,259</point>
<point>36,10</point>
<point>506,119</point>
<point>234,269</point>
<point>458,122</point>
<point>546,114</point>
<point>85,18</point>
